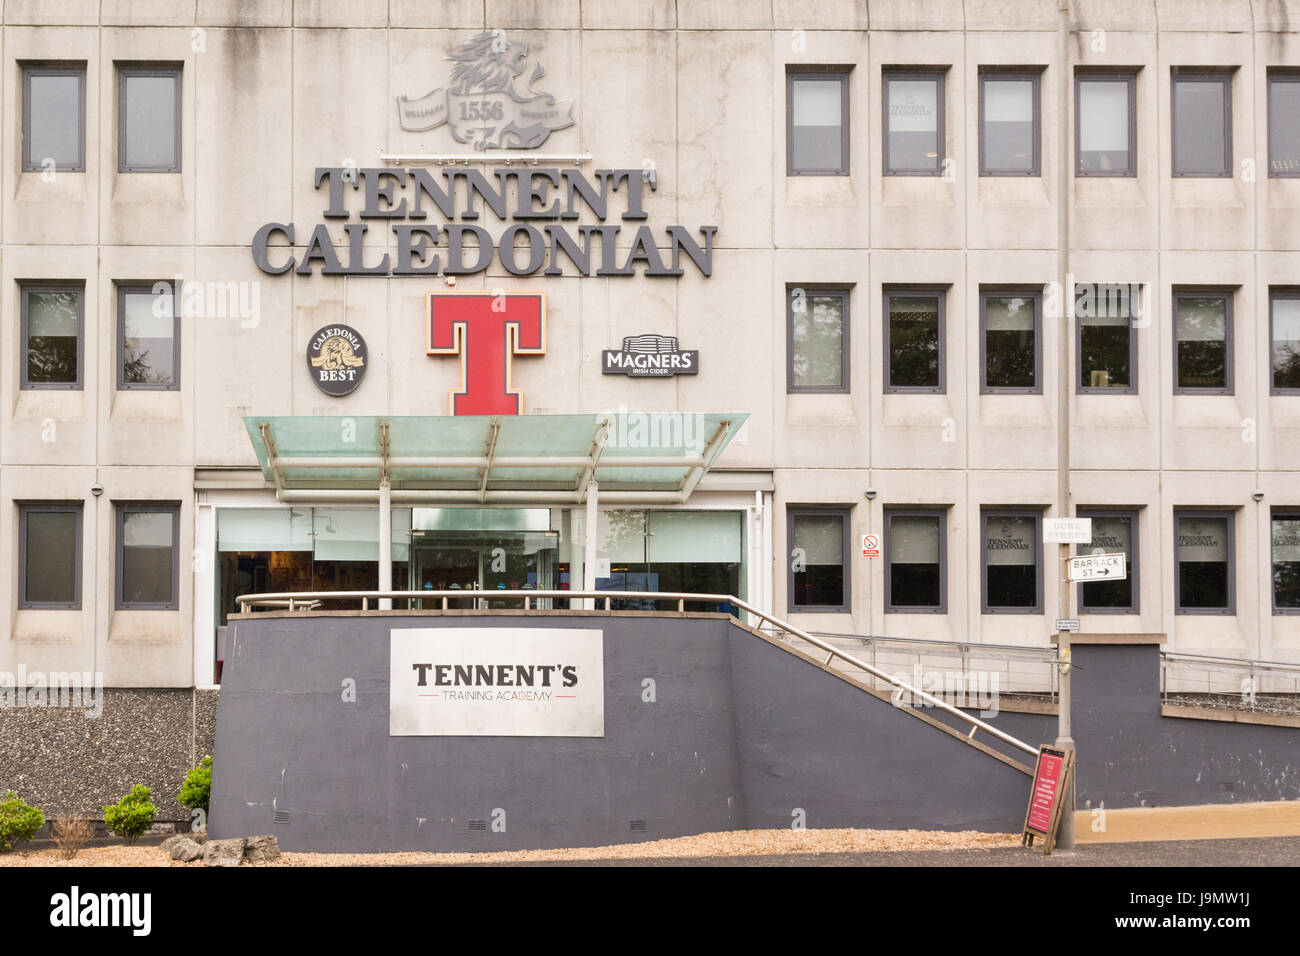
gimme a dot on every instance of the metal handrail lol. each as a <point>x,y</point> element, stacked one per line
<point>682,598</point>
<point>1229,663</point>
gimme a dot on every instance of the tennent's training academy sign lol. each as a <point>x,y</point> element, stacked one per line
<point>497,682</point>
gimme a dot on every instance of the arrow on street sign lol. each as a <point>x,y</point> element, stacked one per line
<point>1098,567</point>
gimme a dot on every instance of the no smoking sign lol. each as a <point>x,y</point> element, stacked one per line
<point>870,546</point>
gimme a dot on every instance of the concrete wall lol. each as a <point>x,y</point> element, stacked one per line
<point>741,734</point>
<point>273,90</point>
<point>61,761</point>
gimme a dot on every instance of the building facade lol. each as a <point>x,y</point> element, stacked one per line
<point>835,225</point>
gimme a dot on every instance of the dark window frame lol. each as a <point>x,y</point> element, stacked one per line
<point>54,68</point>
<point>1079,387</point>
<point>1229,350</point>
<point>987,512</point>
<point>1274,293</point>
<point>1134,559</point>
<point>26,508</point>
<point>126,71</point>
<point>940,293</point>
<point>1278,514</point>
<point>121,509</point>
<point>810,290</point>
<point>1223,77</point>
<point>997,292</point>
<point>1019,73</point>
<point>818,72</point>
<point>939,77</point>
<point>908,512</point>
<point>1279,75</point>
<point>24,291</point>
<point>846,513</point>
<point>132,288</point>
<point>1129,78</point>
<point>1231,524</point>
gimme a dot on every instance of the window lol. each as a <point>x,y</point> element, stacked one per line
<point>1107,344</point>
<point>818,337</point>
<point>916,561</point>
<point>1283,124</point>
<point>54,118</point>
<point>817,122</point>
<point>1286,562</point>
<point>147,546</point>
<point>1203,342</point>
<point>819,568</point>
<point>913,106</point>
<point>1203,560</point>
<point>149,120</point>
<point>1284,323</point>
<point>1202,124</point>
<point>1008,105</point>
<point>1113,532</point>
<point>1012,570</point>
<point>1105,124</point>
<point>52,324</point>
<point>1010,350</point>
<point>148,337</point>
<point>49,562</point>
<point>914,341</point>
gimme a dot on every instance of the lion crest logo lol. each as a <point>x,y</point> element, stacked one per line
<point>487,101</point>
<point>336,359</point>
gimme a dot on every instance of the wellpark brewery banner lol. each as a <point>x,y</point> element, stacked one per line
<point>496,682</point>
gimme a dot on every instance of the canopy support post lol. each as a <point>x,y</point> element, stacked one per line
<point>589,551</point>
<point>385,542</point>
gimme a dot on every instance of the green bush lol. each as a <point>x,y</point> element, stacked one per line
<point>198,784</point>
<point>19,822</point>
<point>131,815</point>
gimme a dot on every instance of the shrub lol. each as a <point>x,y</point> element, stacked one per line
<point>131,815</point>
<point>70,834</point>
<point>198,784</point>
<point>19,822</point>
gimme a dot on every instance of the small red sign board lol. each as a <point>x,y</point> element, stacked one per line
<point>1051,782</point>
<point>870,546</point>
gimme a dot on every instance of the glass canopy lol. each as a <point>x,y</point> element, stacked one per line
<point>641,456</point>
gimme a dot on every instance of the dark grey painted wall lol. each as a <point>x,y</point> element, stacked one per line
<point>741,735</point>
<point>1131,755</point>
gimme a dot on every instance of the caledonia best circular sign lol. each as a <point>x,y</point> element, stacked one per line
<point>336,359</point>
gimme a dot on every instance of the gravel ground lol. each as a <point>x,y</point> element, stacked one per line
<point>728,844</point>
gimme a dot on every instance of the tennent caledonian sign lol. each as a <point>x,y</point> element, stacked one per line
<point>432,219</point>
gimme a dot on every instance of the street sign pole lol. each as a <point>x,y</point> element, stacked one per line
<point>1064,334</point>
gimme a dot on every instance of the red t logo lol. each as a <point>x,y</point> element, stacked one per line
<point>485,329</point>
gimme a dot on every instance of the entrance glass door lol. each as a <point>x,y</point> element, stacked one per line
<point>484,560</point>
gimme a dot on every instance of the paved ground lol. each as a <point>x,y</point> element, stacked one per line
<point>1264,851</point>
<point>1209,822</point>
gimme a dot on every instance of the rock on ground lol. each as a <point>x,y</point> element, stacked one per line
<point>224,852</point>
<point>262,849</point>
<point>185,850</point>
